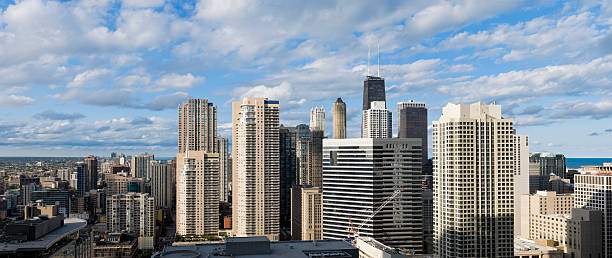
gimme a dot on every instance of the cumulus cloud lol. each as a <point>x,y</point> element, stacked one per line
<point>15,100</point>
<point>88,77</point>
<point>177,81</point>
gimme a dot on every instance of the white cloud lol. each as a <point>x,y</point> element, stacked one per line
<point>142,3</point>
<point>15,100</point>
<point>88,77</point>
<point>177,81</point>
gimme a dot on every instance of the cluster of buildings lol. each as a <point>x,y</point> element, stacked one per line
<point>482,193</point>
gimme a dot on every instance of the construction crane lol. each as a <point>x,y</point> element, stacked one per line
<point>354,232</point>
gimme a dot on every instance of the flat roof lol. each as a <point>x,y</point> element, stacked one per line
<point>71,225</point>
<point>284,249</point>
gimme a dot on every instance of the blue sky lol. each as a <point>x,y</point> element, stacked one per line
<point>96,76</point>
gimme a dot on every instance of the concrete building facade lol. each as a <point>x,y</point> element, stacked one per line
<point>222,147</point>
<point>317,119</point>
<point>132,213</point>
<point>162,185</point>
<point>473,168</point>
<point>377,122</point>
<point>594,192</point>
<point>255,172</point>
<point>197,126</point>
<point>141,165</point>
<point>197,193</point>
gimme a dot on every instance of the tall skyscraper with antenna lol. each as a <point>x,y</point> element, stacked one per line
<point>373,86</point>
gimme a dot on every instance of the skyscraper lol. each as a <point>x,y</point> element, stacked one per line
<point>412,122</point>
<point>550,163</point>
<point>373,90</point>
<point>162,186</point>
<point>359,175</point>
<point>288,171</point>
<point>339,113</point>
<point>594,192</point>
<point>82,179</point>
<point>377,121</point>
<point>197,193</point>
<point>92,171</point>
<point>306,211</point>
<point>197,126</point>
<point>222,147</point>
<point>317,119</point>
<point>473,159</point>
<point>255,179</point>
<point>141,165</point>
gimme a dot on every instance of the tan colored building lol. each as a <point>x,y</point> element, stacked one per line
<point>339,113</point>
<point>306,220</point>
<point>197,126</point>
<point>542,203</point>
<point>197,193</point>
<point>526,248</point>
<point>117,183</point>
<point>255,172</point>
<point>473,169</point>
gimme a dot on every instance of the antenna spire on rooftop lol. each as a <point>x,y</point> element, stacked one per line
<point>378,44</point>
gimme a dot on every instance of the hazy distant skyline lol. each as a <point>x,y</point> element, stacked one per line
<point>96,76</point>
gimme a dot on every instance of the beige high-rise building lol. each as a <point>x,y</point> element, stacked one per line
<point>162,185</point>
<point>197,126</point>
<point>317,119</point>
<point>473,162</point>
<point>117,183</point>
<point>548,216</point>
<point>541,203</point>
<point>306,211</point>
<point>256,175</point>
<point>197,193</point>
<point>592,191</point>
<point>339,113</point>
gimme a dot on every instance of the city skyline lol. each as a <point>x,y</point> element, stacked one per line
<point>117,87</point>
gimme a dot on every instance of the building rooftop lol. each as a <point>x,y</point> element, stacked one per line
<point>71,225</point>
<point>522,245</point>
<point>256,248</point>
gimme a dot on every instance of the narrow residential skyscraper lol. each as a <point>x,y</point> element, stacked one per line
<point>317,119</point>
<point>197,193</point>
<point>339,113</point>
<point>222,147</point>
<point>377,121</point>
<point>473,162</point>
<point>197,126</point>
<point>255,179</point>
<point>132,213</point>
<point>412,122</point>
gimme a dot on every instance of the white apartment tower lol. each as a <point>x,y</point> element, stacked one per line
<point>222,146</point>
<point>594,192</point>
<point>377,122</point>
<point>473,161</point>
<point>317,119</point>
<point>255,172</point>
<point>358,177</point>
<point>197,193</point>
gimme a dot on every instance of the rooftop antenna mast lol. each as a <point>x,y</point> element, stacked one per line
<point>368,60</point>
<point>378,43</point>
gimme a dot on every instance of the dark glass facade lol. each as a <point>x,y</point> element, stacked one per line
<point>373,90</point>
<point>412,123</point>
